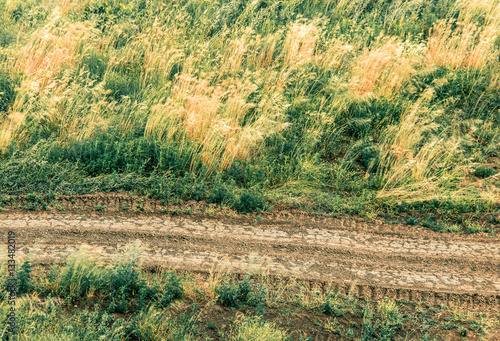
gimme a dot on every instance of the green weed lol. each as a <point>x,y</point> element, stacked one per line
<point>484,172</point>
<point>245,292</point>
<point>254,329</point>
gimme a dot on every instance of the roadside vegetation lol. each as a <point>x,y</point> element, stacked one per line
<point>87,299</point>
<point>357,107</point>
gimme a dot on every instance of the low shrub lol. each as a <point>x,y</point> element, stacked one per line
<point>233,294</point>
<point>484,172</point>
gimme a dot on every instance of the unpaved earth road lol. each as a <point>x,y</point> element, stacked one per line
<point>370,260</point>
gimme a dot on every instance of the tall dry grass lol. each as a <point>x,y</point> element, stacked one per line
<point>383,69</point>
<point>300,43</point>
<point>222,95</point>
<point>418,158</point>
<point>47,63</point>
<point>463,46</point>
<point>213,116</point>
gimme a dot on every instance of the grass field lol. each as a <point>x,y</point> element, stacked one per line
<point>351,106</point>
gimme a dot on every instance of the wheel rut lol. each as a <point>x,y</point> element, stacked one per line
<point>368,263</point>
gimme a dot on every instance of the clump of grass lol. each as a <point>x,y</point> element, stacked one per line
<point>338,307</point>
<point>493,220</point>
<point>484,172</point>
<point>118,285</point>
<point>389,321</point>
<point>411,221</point>
<point>473,227</point>
<point>247,328</point>
<point>446,227</point>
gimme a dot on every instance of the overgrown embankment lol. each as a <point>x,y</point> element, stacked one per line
<point>355,107</point>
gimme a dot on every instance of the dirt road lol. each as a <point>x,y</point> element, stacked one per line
<point>372,260</point>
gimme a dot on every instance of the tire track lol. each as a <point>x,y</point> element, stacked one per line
<point>407,267</point>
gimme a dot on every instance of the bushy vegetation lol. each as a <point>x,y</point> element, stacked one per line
<point>353,105</point>
<point>83,299</point>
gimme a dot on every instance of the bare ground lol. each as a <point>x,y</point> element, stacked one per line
<point>368,259</point>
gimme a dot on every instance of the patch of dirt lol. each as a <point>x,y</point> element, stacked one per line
<point>370,260</point>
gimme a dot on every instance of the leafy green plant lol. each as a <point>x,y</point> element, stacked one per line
<point>337,306</point>
<point>24,277</point>
<point>171,289</point>
<point>242,292</point>
<point>473,227</point>
<point>411,221</point>
<point>249,202</point>
<point>493,220</point>
<point>484,171</point>
<point>443,227</point>
<point>384,327</point>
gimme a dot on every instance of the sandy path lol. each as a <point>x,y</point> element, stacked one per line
<point>373,262</point>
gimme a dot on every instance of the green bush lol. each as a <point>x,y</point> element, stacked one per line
<point>411,221</point>
<point>222,194</point>
<point>250,201</point>
<point>228,295</point>
<point>232,294</point>
<point>171,289</point>
<point>473,227</point>
<point>384,325</point>
<point>107,13</point>
<point>7,91</point>
<point>493,220</point>
<point>123,281</point>
<point>78,277</point>
<point>25,281</point>
<point>121,286</point>
<point>337,306</point>
<point>484,172</point>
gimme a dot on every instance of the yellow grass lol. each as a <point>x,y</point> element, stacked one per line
<point>465,46</point>
<point>212,116</point>
<point>51,50</point>
<point>486,11</point>
<point>300,43</point>
<point>410,161</point>
<point>335,56</point>
<point>383,69</point>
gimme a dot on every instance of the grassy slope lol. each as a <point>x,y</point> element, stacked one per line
<point>351,106</point>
